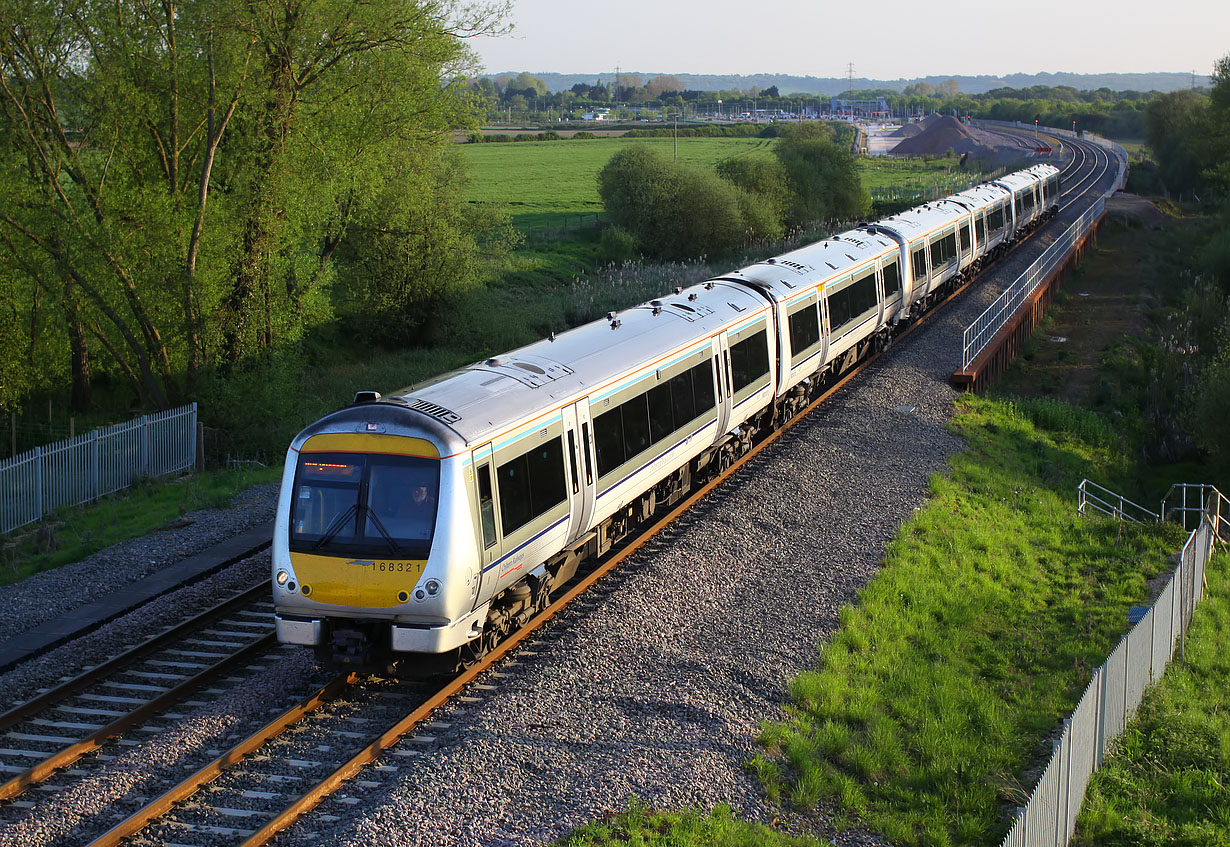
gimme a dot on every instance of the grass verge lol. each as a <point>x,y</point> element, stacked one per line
<point>931,711</point>
<point>1167,780</point>
<point>72,534</point>
<point>640,826</point>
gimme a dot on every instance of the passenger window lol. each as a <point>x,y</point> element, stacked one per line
<point>572,461</point>
<point>589,469</point>
<point>892,279</point>
<point>531,485</point>
<point>486,505</point>
<point>919,260</point>
<point>661,412</point>
<point>804,329</point>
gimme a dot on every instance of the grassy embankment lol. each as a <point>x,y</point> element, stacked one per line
<point>1167,781</point>
<point>74,534</point>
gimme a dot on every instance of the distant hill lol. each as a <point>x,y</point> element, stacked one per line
<point>787,84</point>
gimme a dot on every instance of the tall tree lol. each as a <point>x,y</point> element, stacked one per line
<point>185,171</point>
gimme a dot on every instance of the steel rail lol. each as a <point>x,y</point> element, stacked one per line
<point>189,786</point>
<point>28,709</point>
<point>40,772</point>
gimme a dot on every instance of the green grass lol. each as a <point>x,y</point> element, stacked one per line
<point>930,711</point>
<point>72,534</point>
<point>1167,780</point>
<point>642,827</point>
<point>553,184</point>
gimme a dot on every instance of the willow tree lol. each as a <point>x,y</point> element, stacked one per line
<point>181,173</point>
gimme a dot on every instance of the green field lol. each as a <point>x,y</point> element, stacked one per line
<point>554,183</point>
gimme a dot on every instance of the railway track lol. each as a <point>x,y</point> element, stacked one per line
<point>300,758</point>
<point>129,693</point>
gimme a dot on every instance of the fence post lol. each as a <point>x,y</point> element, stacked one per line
<point>95,483</point>
<point>38,480</point>
<point>145,445</point>
<point>1069,743</point>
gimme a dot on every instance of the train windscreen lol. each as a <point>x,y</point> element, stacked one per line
<point>364,505</point>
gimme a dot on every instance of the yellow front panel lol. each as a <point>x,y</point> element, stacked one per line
<point>364,442</point>
<point>340,581</point>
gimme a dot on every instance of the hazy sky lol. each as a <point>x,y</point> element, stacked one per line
<point>887,39</point>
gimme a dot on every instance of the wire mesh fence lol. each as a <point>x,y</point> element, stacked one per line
<point>1111,699</point>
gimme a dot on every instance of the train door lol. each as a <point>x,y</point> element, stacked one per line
<point>580,465</point>
<point>483,482</point>
<point>725,400</point>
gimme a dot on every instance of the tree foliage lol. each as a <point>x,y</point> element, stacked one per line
<point>678,211</point>
<point>822,176</point>
<point>178,178</point>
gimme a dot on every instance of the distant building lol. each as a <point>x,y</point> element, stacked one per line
<point>876,108</point>
<point>597,115</point>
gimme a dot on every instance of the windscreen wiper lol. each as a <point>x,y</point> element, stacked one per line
<point>371,514</point>
<point>335,527</point>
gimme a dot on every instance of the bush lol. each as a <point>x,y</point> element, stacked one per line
<point>675,211</point>
<point>765,181</point>
<point>584,134</point>
<point>618,245</point>
<point>822,175</point>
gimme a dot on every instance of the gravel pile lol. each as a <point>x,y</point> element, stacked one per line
<point>47,595</point>
<point>657,688</point>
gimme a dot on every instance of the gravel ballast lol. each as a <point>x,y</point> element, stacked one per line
<point>656,688</point>
<point>51,593</point>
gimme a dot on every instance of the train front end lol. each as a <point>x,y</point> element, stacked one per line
<point>374,557</point>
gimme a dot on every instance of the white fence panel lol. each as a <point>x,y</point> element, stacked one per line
<point>85,467</point>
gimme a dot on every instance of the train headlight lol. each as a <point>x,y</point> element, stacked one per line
<point>420,594</point>
<point>433,587</point>
<point>282,577</point>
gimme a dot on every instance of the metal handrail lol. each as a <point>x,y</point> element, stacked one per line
<point>1115,506</point>
<point>1208,501</point>
<point>979,334</point>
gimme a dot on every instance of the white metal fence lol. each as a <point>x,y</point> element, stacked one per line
<point>979,334</point>
<point>1049,818</point>
<point>85,467</point>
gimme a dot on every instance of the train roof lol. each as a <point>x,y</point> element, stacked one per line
<point>492,396</point>
<point>1016,182</point>
<point>783,277</point>
<point>1044,171</point>
<point>921,220</point>
<point>980,196</point>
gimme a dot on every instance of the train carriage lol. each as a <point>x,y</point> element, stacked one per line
<point>529,460</point>
<point>833,299</point>
<point>987,205</point>
<point>433,521</point>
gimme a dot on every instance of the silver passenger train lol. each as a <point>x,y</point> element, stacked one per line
<point>418,529</point>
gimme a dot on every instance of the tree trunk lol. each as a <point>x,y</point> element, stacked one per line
<point>79,351</point>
